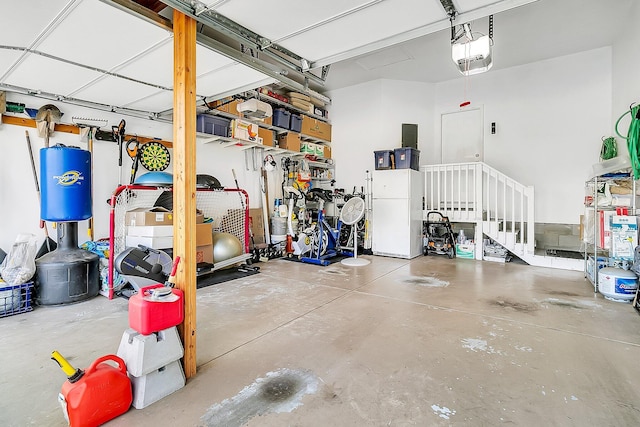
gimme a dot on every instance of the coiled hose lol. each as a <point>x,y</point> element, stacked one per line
<point>633,138</point>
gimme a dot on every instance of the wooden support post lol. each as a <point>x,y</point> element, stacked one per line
<point>184,177</point>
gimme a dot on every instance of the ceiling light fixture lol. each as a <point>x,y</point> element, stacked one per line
<point>471,54</point>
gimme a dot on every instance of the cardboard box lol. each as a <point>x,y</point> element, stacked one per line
<point>204,234</point>
<point>316,128</point>
<point>204,254</point>
<point>242,129</point>
<point>150,242</point>
<point>289,141</point>
<point>149,216</point>
<point>267,136</point>
<point>150,230</point>
<point>466,251</point>
<point>230,107</point>
<point>256,220</point>
<point>605,228</point>
<point>624,236</point>
<point>327,152</point>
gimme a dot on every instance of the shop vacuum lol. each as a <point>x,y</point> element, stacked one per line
<point>68,274</point>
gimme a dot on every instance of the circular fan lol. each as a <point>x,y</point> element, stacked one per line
<point>352,212</point>
<point>154,156</point>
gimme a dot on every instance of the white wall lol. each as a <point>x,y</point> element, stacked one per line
<point>550,117</point>
<point>20,209</point>
<point>368,117</point>
<point>626,84</point>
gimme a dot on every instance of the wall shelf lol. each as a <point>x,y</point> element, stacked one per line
<point>244,145</point>
<point>275,101</point>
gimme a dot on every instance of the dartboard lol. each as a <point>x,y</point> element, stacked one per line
<point>154,156</point>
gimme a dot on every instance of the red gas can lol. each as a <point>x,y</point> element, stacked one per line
<point>101,393</point>
<point>155,308</point>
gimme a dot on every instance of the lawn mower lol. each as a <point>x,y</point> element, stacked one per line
<point>438,235</point>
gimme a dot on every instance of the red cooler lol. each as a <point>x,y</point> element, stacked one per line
<point>155,308</point>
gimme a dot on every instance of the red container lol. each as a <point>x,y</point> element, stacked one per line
<point>148,314</point>
<point>101,394</point>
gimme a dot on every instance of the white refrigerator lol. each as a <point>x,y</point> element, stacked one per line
<point>397,213</point>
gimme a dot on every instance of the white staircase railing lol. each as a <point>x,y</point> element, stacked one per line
<point>501,207</point>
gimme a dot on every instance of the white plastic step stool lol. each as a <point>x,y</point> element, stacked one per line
<point>147,353</point>
<point>160,383</point>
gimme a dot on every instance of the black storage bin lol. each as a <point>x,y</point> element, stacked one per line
<point>213,125</point>
<point>384,159</point>
<point>407,158</point>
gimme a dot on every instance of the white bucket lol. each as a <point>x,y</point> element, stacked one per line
<point>278,238</point>
<point>278,226</point>
<point>617,284</point>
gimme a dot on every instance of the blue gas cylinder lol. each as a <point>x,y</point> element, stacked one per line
<point>65,175</point>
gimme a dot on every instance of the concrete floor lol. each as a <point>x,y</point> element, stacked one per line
<point>425,342</point>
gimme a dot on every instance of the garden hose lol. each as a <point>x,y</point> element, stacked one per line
<point>609,148</point>
<point>633,138</point>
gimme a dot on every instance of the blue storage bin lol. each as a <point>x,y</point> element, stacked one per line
<point>281,118</point>
<point>295,123</point>
<point>407,158</point>
<point>213,125</point>
<point>384,159</point>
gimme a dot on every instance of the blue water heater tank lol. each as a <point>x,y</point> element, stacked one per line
<point>65,175</point>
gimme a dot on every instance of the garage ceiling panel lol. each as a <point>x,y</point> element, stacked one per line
<point>115,91</point>
<point>7,59</point>
<point>235,77</point>
<point>40,14</point>
<point>48,75</point>
<point>464,6</point>
<point>275,19</point>
<point>101,36</point>
<point>342,35</point>
<point>160,101</point>
<point>208,60</point>
<point>154,66</point>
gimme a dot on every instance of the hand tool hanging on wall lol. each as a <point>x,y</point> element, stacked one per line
<point>133,150</point>
<point>49,243</point>
<point>118,134</point>
<point>46,118</point>
<point>89,126</point>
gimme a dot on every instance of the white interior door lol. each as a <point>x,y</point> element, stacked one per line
<point>462,136</point>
